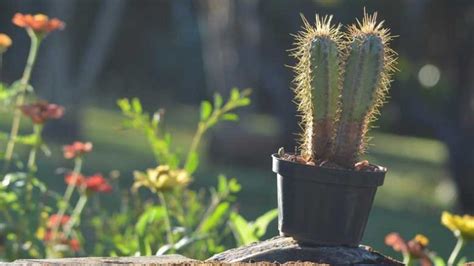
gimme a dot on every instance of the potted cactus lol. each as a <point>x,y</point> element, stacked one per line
<point>325,192</point>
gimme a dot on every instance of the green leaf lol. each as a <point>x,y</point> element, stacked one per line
<point>230,117</point>
<point>234,185</point>
<point>206,110</point>
<point>124,105</point>
<point>234,94</point>
<point>193,163</point>
<point>148,217</point>
<point>39,184</point>
<point>221,184</point>
<point>243,102</point>
<point>243,233</point>
<point>27,139</point>
<point>262,222</point>
<point>144,246</point>
<point>122,247</point>
<point>217,101</point>
<point>216,217</point>
<point>438,261</point>
<point>137,106</point>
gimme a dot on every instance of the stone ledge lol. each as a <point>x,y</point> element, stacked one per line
<point>274,251</point>
<point>150,260</point>
<point>285,249</point>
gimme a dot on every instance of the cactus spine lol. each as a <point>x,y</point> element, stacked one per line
<point>317,85</point>
<point>336,115</point>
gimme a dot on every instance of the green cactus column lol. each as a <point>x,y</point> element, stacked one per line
<point>317,86</point>
<point>366,77</point>
<point>325,94</point>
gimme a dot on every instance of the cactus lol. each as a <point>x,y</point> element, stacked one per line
<point>317,85</point>
<point>369,63</point>
<point>335,115</point>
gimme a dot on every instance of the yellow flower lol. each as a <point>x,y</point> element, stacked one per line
<point>5,42</point>
<point>460,225</point>
<point>161,178</point>
<point>422,240</point>
<point>40,233</point>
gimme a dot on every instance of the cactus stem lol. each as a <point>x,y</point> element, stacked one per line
<point>369,63</point>
<point>316,85</point>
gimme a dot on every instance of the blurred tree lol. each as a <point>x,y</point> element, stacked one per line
<point>441,33</point>
<point>71,61</point>
<point>67,83</point>
<point>230,39</point>
<point>452,30</point>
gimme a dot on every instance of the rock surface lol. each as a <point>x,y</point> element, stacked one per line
<point>285,249</point>
<point>151,260</point>
<point>271,251</point>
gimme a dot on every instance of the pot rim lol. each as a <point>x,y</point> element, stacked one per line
<point>326,175</point>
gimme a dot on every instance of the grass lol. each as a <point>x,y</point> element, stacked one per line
<point>417,187</point>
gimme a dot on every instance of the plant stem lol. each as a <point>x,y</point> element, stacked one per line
<point>196,140</point>
<point>169,232</point>
<point>457,249</point>
<point>203,126</point>
<point>68,194</point>
<point>31,165</point>
<point>75,214</point>
<point>216,200</point>
<point>407,260</point>
<point>20,99</point>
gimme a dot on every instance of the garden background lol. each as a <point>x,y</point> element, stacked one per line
<point>174,54</point>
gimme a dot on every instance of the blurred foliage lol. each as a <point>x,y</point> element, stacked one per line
<point>174,219</point>
<point>37,222</point>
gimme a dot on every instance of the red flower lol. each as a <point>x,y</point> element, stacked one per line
<point>59,237</point>
<point>74,179</point>
<point>76,149</point>
<point>74,245</point>
<point>97,183</point>
<point>42,111</point>
<point>54,219</point>
<point>94,183</point>
<point>39,23</point>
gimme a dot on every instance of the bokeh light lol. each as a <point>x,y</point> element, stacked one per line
<point>429,75</point>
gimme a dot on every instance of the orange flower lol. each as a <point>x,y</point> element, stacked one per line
<point>39,23</point>
<point>5,42</point>
<point>76,149</point>
<point>42,111</point>
<point>54,219</point>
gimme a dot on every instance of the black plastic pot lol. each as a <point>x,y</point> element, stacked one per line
<point>324,206</point>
